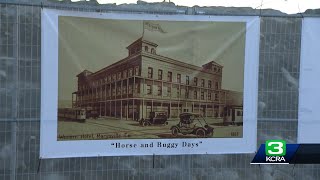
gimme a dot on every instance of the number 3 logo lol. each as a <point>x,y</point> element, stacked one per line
<point>275,148</point>
<point>278,147</point>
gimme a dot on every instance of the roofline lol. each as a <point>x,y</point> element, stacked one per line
<point>177,62</point>
<point>114,64</point>
<point>142,40</point>
<point>134,42</point>
<point>150,43</point>
<point>157,57</point>
<point>215,63</point>
<point>82,72</point>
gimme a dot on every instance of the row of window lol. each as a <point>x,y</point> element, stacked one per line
<point>129,90</point>
<point>239,112</point>
<point>153,51</point>
<point>169,78</point>
<point>136,71</point>
<point>114,77</point>
<point>113,91</point>
<point>187,93</point>
<point>138,49</point>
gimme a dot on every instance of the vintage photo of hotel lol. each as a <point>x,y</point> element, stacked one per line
<point>148,94</point>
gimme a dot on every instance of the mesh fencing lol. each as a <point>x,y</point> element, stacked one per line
<point>20,63</point>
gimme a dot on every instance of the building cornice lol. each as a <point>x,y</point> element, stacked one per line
<point>122,61</point>
<point>176,62</point>
<point>142,40</point>
<point>157,57</point>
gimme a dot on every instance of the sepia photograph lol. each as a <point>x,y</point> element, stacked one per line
<point>142,79</point>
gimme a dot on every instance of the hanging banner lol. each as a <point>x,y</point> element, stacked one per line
<point>134,84</point>
<point>309,122</point>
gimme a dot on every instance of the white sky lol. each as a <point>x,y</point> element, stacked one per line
<point>287,6</point>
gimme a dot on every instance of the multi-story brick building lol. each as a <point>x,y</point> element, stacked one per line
<point>145,81</point>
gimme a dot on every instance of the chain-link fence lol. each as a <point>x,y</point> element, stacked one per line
<point>20,102</point>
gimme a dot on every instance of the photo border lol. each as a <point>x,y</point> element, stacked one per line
<point>308,113</point>
<point>50,147</point>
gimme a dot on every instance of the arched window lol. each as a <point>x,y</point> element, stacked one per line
<point>153,51</point>
<point>146,48</point>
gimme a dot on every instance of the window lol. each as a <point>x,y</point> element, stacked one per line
<point>124,90</point>
<point>159,90</point>
<point>216,96</point>
<point>114,77</point>
<point>137,88</point>
<point>119,90</point>
<point>150,72</point>
<point>119,75</point>
<point>170,76</point>
<point>187,80</point>
<point>187,94</point>
<point>239,113</point>
<point>160,74</point>
<point>178,92</point>
<point>109,78</point>
<point>202,82</point>
<point>146,48</point>
<point>209,96</point>
<point>178,78</point>
<point>195,93</point>
<point>214,69</point>
<point>169,91</point>
<point>113,91</point>
<point>130,72</point>
<point>149,89</point>
<point>137,71</point>
<point>124,74</point>
<point>217,85</point>
<point>209,84</point>
<point>100,93</point>
<point>195,81</point>
<point>130,89</point>
<point>153,51</point>
<point>202,95</point>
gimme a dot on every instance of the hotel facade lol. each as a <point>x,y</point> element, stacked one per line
<point>145,81</point>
